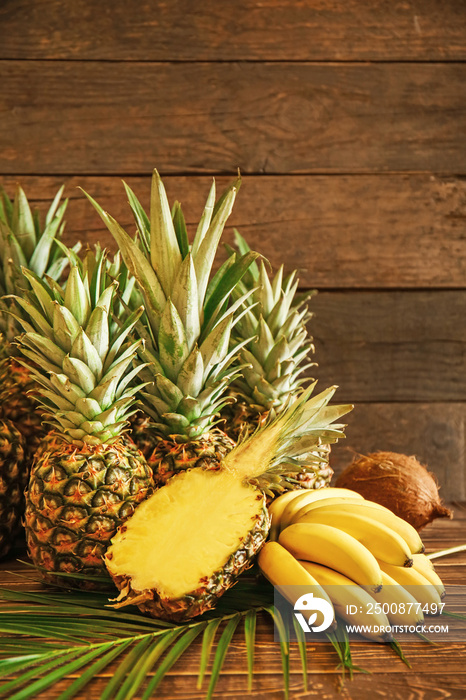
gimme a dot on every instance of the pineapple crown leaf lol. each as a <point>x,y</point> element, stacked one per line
<point>137,263</point>
<point>140,217</point>
<point>42,293</point>
<point>22,222</point>
<point>25,242</point>
<point>42,252</point>
<point>39,323</point>
<point>189,314</point>
<point>219,294</point>
<point>204,257</point>
<point>87,358</point>
<point>205,219</point>
<point>273,443</point>
<point>244,248</point>
<point>165,254</point>
<point>181,230</point>
<point>186,301</point>
<point>173,343</point>
<point>125,329</point>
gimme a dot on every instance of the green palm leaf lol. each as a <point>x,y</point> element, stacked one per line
<point>50,663</point>
<point>124,668</point>
<point>81,635</point>
<point>301,641</point>
<point>147,657</point>
<point>207,644</point>
<point>82,658</point>
<point>250,639</point>
<point>221,652</point>
<point>95,668</point>
<point>170,658</point>
<point>283,635</point>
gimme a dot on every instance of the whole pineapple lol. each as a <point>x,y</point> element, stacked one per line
<point>187,329</point>
<point>187,543</point>
<point>274,359</point>
<point>88,476</point>
<point>24,241</point>
<point>13,479</point>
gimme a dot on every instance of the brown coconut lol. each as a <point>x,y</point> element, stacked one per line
<point>399,483</point>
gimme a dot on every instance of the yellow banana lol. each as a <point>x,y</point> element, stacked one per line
<point>400,606</point>
<point>425,567</point>
<point>334,548</point>
<point>277,507</point>
<point>334,501</point>
<point>282,569</point>
<point>384,543</point>
<point>420,588</point>
<point>313,496</point>
<point>347,596</point>
<point>372,510</point>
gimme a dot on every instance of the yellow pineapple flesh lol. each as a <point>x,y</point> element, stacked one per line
<point>209,525</point>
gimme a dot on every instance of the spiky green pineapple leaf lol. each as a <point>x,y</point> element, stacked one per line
<point>244,248</point>
<point>219,294</point>
<point>165,253</point>
<point>137,263</point>
<point>42,252</point>
<point>203,259</point>
<point>140,217</point>
<point>180,229</point>
<point>205,220</point>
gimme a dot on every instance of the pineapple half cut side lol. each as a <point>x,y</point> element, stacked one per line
<point>207,526</point>
<point>188,542</point>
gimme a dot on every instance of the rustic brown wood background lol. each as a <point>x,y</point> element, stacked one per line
<point>348,122</point>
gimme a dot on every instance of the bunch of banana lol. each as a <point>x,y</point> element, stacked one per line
<point>361,554</point>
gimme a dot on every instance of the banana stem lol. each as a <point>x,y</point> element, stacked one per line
<point>446,552</point>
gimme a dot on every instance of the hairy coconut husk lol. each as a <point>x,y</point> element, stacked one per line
<point>399,483</point>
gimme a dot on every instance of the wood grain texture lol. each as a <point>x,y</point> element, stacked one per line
<point>365,231</point>
<point>309,30</point>
<point>391,346</point>
<point>436,672</point>
<point>271,118</point>
<point>322,686</point>
<point>432,432</point>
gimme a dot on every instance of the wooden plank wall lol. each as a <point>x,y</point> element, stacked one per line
<point>348,122</point>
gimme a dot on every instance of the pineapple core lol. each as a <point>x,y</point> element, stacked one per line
<point>185,532</point>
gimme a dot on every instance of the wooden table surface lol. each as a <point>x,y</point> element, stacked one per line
<point>437,672</point>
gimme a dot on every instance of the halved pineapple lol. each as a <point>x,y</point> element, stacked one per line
<point>207,526</point>
<point>187,543</point>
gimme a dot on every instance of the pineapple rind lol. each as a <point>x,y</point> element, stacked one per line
<point>169,457</point>
<point>204,597</point>
<point>77,499</point>
<point>13,479</point>
<point>17,405</point>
